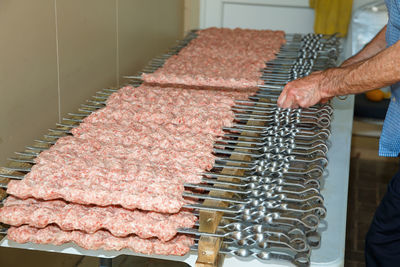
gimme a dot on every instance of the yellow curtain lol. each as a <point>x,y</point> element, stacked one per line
<point>332,16</point>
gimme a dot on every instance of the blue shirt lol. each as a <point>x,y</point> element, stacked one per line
<point>389,144</point>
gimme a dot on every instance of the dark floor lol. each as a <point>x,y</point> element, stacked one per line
<point>367,186</point>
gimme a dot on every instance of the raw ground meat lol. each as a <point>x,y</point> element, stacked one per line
<point>179,245</point>
<point>117,156</point>
<point>161,113</point>
<point>89,219</point>
<point>221,58</point>
<point>179,96</point>
<point>121,156</point>
<point>162,202</point>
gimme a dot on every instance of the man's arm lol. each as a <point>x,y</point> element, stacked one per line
<point>380,70</point>
<point>377,44</point>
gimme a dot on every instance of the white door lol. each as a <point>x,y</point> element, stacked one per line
<point>292,16</point>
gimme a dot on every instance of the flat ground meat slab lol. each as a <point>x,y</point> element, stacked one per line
<point>89,219</point>
<point>221,57</point>
<point>179,245</point>
<point>160,202</point>
<point>119,156</point>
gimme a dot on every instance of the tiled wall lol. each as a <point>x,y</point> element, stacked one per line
<point>54,54</point>
<point>191,19</point>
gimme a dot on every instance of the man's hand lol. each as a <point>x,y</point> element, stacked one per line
<point>305,92</point>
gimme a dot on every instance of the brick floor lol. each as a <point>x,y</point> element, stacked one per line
<point>367,185</point>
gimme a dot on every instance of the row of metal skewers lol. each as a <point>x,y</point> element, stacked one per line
<point>275,204</point>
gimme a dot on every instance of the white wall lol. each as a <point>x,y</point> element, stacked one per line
<point>292,16</point>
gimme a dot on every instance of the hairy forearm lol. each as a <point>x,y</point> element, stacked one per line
<point>370,70</point>
<point>378,71</point>
<point>376,45</point>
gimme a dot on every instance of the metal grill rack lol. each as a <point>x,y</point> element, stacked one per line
<point>278,159</point>
<point>262,198</point>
